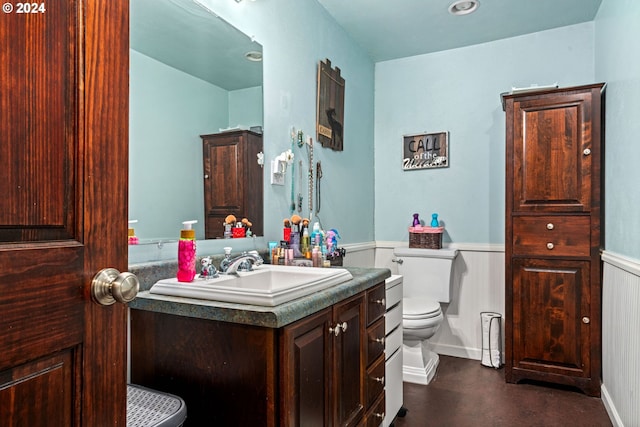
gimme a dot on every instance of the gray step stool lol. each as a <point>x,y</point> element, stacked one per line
<point>152,408</point>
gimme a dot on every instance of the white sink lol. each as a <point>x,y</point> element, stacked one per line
<point>266,285</point>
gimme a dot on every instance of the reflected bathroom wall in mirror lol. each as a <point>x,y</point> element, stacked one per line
<point>191,73</point>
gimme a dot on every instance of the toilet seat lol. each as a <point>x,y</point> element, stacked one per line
<point>416,308</point>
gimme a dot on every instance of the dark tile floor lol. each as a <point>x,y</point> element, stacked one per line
<point>465,393</point>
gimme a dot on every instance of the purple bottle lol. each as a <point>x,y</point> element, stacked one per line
<point>416,221</point>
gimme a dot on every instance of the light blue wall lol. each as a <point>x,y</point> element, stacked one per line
<point>168,112</point>
<point>617,32</point>
<point>296,35</point>
<point>245,107</point>
<point>459,91</point>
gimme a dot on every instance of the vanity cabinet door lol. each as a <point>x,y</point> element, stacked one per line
<point>322,360</point>
<point>306,363</point>
<point>349,361</point>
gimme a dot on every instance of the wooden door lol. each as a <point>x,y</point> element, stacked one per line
<point>349,362</point>
<point>63,211</point>
<point>224,182</point>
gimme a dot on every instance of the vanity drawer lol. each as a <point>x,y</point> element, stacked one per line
<point>376,303</point>
<point>375,341</point>
<point>393,318</point>
<point>393,342</point>
<point>394,294</point>
<point>552,235</point>
<point>375,381</point>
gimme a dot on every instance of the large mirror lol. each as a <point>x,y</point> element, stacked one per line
<point>191,74</point>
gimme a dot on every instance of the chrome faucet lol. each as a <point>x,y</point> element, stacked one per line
<point>244,262</point>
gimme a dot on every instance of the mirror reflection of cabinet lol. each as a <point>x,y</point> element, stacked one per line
<point>232,180</point>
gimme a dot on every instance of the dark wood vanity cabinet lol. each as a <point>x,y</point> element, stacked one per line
<point>232,180</point>
<point>335,361</point>
<point>326,369</point>
<point>553,236</point>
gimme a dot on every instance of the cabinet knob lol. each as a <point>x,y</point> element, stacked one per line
<point>586,320</point>
<point>340,326</point>
<point>379,380</point>
<point>344,326</point>
<point>550,245</point>
<point>206,176</point>
<point>380,301</point>
<point>379,415</point>
<point>550,226</point>
<point>586,151</point>
<point>379,340</point>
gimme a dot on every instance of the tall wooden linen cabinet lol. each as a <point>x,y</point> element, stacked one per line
<point>232,180</point>
<point>554,156</point>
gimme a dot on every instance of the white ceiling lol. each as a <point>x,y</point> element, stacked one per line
<point>399,28</point>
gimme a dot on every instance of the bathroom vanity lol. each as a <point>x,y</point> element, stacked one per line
<point>316,360</point>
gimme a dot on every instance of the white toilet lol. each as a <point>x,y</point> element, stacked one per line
<point>427,276</point>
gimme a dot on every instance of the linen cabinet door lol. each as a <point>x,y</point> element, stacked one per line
<point>349,361</point>
<point>306,361</point>
<point>553,153</point>
<point>551,319</point>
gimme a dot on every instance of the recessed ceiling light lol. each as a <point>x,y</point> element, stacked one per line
<point>254,56</point>
<point>463,7</point>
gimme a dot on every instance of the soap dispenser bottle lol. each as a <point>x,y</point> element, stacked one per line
<point>131,234</point>
<point>187,252</point>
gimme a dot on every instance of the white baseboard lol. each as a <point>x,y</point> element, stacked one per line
<point>610,407</point>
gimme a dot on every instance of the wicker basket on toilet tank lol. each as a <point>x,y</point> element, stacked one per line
<point>425,237</point>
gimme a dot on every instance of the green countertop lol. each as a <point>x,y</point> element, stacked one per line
<point>271,317</point>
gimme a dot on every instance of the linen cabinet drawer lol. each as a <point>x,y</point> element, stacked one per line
<point>376,303</point>
<point>552,235</point>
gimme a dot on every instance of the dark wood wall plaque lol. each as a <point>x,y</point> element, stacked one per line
<point>330,112</point>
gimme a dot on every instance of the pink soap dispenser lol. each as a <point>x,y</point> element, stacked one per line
<point>187,252</point>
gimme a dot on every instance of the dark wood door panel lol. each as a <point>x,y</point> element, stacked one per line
<point>550,298</point>
<point>551,171</point>
<point>23,388</point>
<point>39,132</point>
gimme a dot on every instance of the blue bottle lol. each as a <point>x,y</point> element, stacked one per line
<point>434,220</point>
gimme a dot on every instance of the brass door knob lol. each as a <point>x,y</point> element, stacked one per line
<point>109,286</point>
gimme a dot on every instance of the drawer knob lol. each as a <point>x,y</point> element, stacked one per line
<point>379,379</point>
<point>550,246</point>
<point>379,340</point>
<point>586,152</point>
<point>380,301</point>
<point>586,320</point>
<point>550,226</point>
<point>379,415</point>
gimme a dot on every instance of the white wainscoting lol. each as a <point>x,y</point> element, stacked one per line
<point>621,339</point>
<point>478,286</point>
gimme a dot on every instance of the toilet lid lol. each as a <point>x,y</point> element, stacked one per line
<point>417,307</point>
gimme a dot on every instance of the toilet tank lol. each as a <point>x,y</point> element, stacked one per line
<point>426,273</point>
